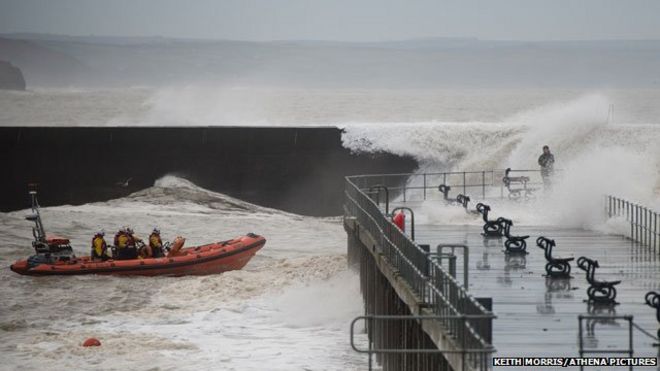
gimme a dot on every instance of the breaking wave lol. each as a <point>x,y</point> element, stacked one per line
<point>239,319</point>
<point>596,156</point>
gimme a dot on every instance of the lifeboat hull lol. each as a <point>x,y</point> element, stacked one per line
<point>201,260</point>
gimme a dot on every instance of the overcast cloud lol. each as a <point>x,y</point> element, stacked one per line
<point>341,20</point>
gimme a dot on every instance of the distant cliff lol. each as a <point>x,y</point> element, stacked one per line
<point>44,66</point>
<point>11,77</point>
<point>51,60</point>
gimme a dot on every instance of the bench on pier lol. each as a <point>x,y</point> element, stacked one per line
<point>555,267</point>
<point>601,292</point>
<point>492,228</point>
<point>652,299</point>
<point>463,200</point>
<point>513,244</point>
<point>517,185</point>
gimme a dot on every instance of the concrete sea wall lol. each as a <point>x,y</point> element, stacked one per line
<point>295,169</point>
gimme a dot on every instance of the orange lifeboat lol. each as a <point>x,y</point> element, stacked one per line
<point>54,256</point>
<point>207,259</point>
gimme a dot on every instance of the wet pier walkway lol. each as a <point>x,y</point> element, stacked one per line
<point>538,316</point>
<point>504,303</point>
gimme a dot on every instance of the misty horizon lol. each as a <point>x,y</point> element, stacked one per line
<point>334,44</point>
<point>424,63</point>
<point>337,20</point>
<point>110,37</point>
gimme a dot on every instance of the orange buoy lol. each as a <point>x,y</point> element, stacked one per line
<point>399,220</point>
<point>92,342</point>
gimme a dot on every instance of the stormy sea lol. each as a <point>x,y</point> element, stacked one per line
<point>291,306</point>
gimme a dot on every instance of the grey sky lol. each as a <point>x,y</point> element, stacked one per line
<point>345,20</point>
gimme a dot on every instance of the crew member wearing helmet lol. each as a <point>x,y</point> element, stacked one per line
<point>99,247</point>
<point>125,242</point>
<point>155,244</point>
<point>133,240</point>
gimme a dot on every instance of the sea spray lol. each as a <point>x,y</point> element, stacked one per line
<point>594,157</point>
<point>233,319</point>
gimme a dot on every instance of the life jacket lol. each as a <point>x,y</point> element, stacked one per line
<point>155,241</point>
<point>122,240</point>
<point>98,246</point>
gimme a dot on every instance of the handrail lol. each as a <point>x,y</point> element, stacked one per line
<point>644,222</point>
<point>475,184</point>
<point>479,352</point>
<point>628,318</point>
<point>420,318</point>
<point>442,173</point>
<point>380,187</point>
<point>435,287</point>
<point>466,258</point>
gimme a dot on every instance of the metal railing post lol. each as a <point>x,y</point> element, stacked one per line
<point>630,335</point>
<point>463,347</point>
<point>387,196</point>
<point>629,219</point>
<point>424,186</point>
<point>638,217</point>
<point>580,335</point>
<point>466,259</point>
<point>655,230</point>
<point>483,184</point>
<point>640,221</point>
<point>644,225</point>
<point>370,327</point>
<point>638,225</point>
<point>650,228</point>
<point>647,225</point>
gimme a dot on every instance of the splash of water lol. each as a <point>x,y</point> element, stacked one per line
<point>596,157</point>
<point>239,319</point>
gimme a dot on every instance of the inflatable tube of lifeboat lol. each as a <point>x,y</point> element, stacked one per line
<point>207,259</point>
<point>175,249</point>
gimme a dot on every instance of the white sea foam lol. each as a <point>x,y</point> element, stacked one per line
<point>296,293</point>
<point>595,157</point>
<point>289,307</point>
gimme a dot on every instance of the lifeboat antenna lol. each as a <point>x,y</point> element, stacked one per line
<point>38,231</point>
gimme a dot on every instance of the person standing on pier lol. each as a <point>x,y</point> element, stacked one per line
<point>547,163</point>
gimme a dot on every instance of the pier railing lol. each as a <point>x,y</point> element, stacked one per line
<point>644,222</point>
<point>468,322</point>
<point>422,186</point>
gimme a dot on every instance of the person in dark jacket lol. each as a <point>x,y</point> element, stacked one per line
<point>547,163</point>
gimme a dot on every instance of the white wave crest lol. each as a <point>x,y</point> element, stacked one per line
<point>595,156</point>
